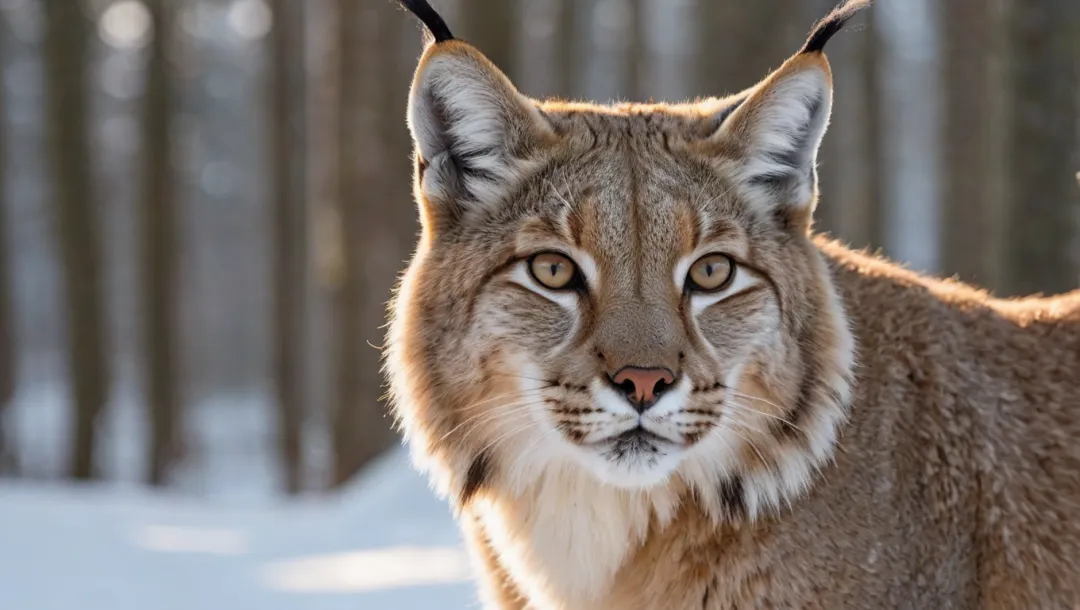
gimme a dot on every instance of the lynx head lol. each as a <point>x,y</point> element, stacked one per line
<point>627,291</point>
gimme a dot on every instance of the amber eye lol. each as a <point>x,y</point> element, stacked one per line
<point>553,270</point>
<point>710,273</point>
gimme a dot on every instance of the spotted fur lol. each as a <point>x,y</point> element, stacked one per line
<point>841,433</point>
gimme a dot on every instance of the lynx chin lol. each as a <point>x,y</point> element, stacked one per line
<point>642,382</point>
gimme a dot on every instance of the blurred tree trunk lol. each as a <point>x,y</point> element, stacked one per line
<point>974,140</point>
<point>286,51</point>
<point>740,42</point>
<point>7,305</point>
<point>634,49</point>
<point>361,428</point>
<point>1041,221</point>
<point>490,25</point>
<point>159,243</point>
<point>7,335</point>
<point>326,251</point>
<point>537,49</point>
<point>569,45</point>
<point>874,134</point>
<point>910,114</point>
<point>66,49</point>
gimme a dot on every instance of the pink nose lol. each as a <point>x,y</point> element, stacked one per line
<point>643,386</point>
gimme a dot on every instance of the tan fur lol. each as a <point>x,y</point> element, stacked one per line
<point>849,434</point>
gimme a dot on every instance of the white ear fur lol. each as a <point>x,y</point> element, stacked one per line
<point>472,128</point>
<point>779,129</point>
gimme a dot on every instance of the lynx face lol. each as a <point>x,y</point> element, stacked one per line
<point>625,299</point>
<point>626,291</point>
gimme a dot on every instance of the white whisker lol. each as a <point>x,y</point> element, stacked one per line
<point>506,435</point>
<point>509,395</point>
<point>514,412</point>
<point>722,426</point>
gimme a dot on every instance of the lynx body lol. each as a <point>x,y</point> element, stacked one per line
<point>643,382</point>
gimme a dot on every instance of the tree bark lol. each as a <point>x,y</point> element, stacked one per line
<point>1042,224</point>
<point>159,244</point>
<point>66,49</point>
<point>288,188</point>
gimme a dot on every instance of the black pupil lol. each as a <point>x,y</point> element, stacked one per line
<point>554,267</point>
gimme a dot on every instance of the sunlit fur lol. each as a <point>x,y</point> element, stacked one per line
<point>788,476</point>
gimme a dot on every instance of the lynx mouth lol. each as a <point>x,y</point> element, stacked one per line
<point>637,435</point>
<point>637,458</point>
<point>634,442</point>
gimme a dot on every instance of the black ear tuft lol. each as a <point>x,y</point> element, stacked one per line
<point>429,17</point>
<point>831,24</point>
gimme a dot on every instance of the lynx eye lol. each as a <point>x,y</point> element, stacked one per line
<point>710,273</point>
<point>553,270</point>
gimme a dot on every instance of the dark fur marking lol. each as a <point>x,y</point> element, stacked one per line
<point>429,17</point>
<point>698,412</point>
<point>421,167</point>
<point>804,402</point>
<point>733,496</point>
<point>476,477</point>
<point>726,112</point>
<point>465,164</point>
<point>802,407</point>
<point>832,23</point>
<point>575,410</point>
<point>574,434</point>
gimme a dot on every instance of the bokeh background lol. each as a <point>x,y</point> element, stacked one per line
<point>204,205</point>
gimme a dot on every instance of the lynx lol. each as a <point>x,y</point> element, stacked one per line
<point>643,382</point>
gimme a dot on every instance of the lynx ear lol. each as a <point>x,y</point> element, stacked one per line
<point>474,132</point>
<point>775,132</point>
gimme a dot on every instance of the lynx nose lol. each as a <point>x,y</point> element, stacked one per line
<point>642,386</point>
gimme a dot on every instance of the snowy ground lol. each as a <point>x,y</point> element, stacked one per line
<point>383,543</point>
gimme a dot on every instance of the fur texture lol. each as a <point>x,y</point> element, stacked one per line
<point>839,433</point>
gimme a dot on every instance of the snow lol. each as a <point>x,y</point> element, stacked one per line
<point>384,542</point>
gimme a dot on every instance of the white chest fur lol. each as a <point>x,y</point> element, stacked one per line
<point>564,540</point>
